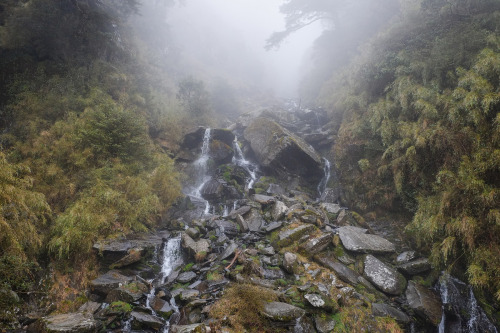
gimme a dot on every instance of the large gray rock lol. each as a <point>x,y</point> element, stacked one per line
<point>317,244</point>
<point>127,293</point>
<point>193,328</point>
<point>69,322</point>
<point>186,277</point>
<point>355,240</point>
<point>384,310</point>
<point>384,277</point>
<point>343,272</point>
<point>288,236</point>
<point>425,302</point>
<point>279,149</point>
<point>198,249</point>
<point>254,220</point>
<point>279,210</point>
<point>220,152</point>
<point>109,281</point>
<point>141,320</point>
<point>330,208</point>
<point>415,267</point>
<point>279,311</point>
<point>290,262</point>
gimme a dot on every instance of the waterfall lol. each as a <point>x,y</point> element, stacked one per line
<point>467,314</point>
<point>240,160</point>
<point>201,169</point>
<point>324,181</point>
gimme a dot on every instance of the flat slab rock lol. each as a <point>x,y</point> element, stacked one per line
<point>384,310</point>
<point>384,277</point>
<point>354,239</point>
<point>70,322</point>
<point>141,320</point>
<point>279,311</point>
<point>343,272</point>
<point>288,236</point>
<point>109,281</point>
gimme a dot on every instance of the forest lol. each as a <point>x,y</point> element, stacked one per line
<point>97,95</point>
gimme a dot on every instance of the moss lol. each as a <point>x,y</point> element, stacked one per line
<point>188,267</point>
<point>120,307</point>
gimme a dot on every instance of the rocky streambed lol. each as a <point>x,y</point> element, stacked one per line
<point>254,246</point>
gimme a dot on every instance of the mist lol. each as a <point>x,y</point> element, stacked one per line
<point>228,37</point>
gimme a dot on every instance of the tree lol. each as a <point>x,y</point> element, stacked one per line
<point>193,96</point>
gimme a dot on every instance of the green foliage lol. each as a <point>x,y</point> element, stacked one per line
<point>193,95</point>
<point>419,131</point>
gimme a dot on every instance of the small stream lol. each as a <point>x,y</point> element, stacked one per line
<point>249,167</point>
<point>201,172</point>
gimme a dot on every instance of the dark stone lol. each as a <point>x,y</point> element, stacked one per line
<point>69,322</point>
<point>279,149</point>
<point>186,277</point>
<point>284,312</point>
<point>141,320</point>
<point>415,267</point>
<point>317,244</point>
<point>344,273</point>
<point>109,281</point>
<point>424,302</point>
<point>220,152</point>
<point>384,310</point>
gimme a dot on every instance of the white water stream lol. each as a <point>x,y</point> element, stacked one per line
<point>324,181</point>
<point>250,168</point>
<point>201,168</point>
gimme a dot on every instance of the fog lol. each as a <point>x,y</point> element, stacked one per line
<point>227,39</point>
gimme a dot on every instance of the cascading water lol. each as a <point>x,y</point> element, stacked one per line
<point>239,159</point>
<point>170,260</point>
<point>461,311</point>
<point>324,181</point>
<point>201,168</point>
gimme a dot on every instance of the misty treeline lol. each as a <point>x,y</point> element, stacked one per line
<point>413,92</point>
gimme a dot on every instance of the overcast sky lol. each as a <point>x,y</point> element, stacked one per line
<point>251,22</point>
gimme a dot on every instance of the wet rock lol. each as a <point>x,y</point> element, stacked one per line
<point>213,190</point>
<point>70,322</point>
<point>254,220</point>
<point>290,262</point>
<point>240,211</point>
<point>324,325</point>
<point>109,281</point>
<point>242,223</point>
<point>355,240</point>
<point>275,189</point>
<point>193,233</point>
<point>384,310</point>
<point>220,152</point>
<point>128,293</point>
<point>228,251</point>
<point>273,226</point>
<point>424,302</point>
<point>263,199</point>
<point>406,256</point>
<point>141,320</point>
<point>279,149</point>
<point>161,307</point>
<point>288,236</point>
<point>197,249</point>
<point>384,277</point>
<point>284,312</point>
<point>186,277</point>
<point>415,267</point>
<point>185,295</point>
<point>134,255</point>
<point>330,208</point>
<point>89,307</point>
<point>193,328</point>
<point>344,273</point>
<point>279,210</point>
<point>317,244</point>
<point>227,227</point>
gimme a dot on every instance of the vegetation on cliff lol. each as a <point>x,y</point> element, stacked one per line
<point>419,130</point>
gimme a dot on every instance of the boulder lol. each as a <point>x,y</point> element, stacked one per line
<point>355,240</point>
<point>330,208</point>
<point>186,277</point>
<point>109,281</point>
<point>284,312</point>
<point>279,210</point>
<point>317,244</point>
<point>254,220</point>
<point>415,266</point>
<point>424,302</point>
<point>384,310</point>
<point>220,152</point>
<point>275,189</point>
<point>161,307</point>
<point>384,277</point>
<point>290,262</point>
<point>134,255</point>
<point>127,293</point>
<point>264,199</point>
<point>242,223</point>
<point>197,249</point>
<point>324,325</point>
<point>279,149</point>
<point>344,273</point>
<point>227,227</point>
<point>141,321</point>
<point>241,211</point>
<point>288,236</point>
<point>406,256</point>
<point>77,322</point>
<point>228,251</point>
